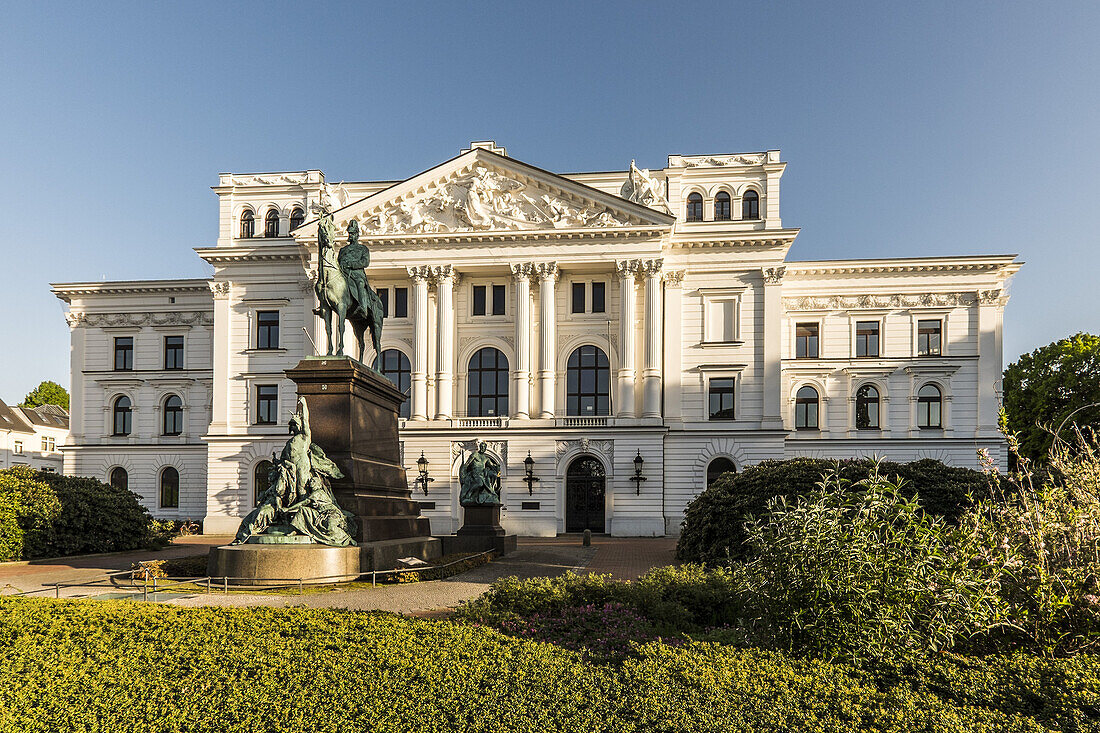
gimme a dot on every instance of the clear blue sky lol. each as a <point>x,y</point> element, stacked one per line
<point>910,128</point>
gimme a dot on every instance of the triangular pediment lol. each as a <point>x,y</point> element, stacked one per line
<point>480,191</point>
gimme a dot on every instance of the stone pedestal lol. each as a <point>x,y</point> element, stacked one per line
<point>272,564</point>
<point>481,520</point>
<point>353,413</point>
<point>480,531</point>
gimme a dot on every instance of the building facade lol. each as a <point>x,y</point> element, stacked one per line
<point>633,332</point>
<point>33,436</point>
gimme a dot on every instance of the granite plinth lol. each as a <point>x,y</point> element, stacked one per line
<point>481,520</point>
<point>265,564</point>
<point>467,544</point>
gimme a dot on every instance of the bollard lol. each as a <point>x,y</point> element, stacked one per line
<point>208,586</point>
<point>373,578</point>
<point>225,584</point>
<point>57,590</point>
<point>587,540</point>
<point>299,586</point>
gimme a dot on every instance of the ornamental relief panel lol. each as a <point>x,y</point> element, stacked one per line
<point>605,448</point>
<point>856,302</point>
<point>100,320</point>
<point>462,449</point>
<point>483,199</point>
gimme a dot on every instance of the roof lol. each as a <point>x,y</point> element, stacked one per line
<point>46,416</point>
<point>65,291</point>
<point>12,419</point>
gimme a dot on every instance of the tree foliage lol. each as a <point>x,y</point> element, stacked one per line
<point>47,393</point>
<point>1044,387</point>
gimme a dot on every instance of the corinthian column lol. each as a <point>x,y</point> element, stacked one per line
<point>444,277</point>
<point>419,277</point>
<point>548,274</point>
<point>654,341</point>
<point>521,376</point>
<point>627,270</point>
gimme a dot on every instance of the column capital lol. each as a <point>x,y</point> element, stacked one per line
<point>219,288</point>
<point>419,272</point>
<point>547,270</point>
<point>773,275</point>
<point>523,270</point>
<point>442,273</point>
<point>626,269</point>
<point>652,267</point>
<point>674,277</point>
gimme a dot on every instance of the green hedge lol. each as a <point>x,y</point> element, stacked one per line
<point>113,666</point>
<point>44,514</point>
<point>713,522</point>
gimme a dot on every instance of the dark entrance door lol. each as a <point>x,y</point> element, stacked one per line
<point>584,495</point>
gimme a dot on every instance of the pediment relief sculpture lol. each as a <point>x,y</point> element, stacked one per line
<point>484,199</point>
<point>643,188</point>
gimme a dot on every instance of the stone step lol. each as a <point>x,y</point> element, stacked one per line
<point>372,529</point>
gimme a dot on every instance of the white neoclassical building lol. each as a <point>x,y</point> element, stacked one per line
<point>613,326</point>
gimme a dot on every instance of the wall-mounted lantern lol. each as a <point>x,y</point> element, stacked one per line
<point>423,479</point>
<point>638,478</point>
<point>529,473</point>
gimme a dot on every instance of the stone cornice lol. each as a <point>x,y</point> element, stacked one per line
<point>776,238</point>
<point>269,253</point>
<point>575,236</point>
<point>871,301</point>
<point>78,319</point>
<point>68,291</point>
<point>995,263</point>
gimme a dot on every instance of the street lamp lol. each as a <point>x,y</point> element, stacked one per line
<point>638,478</point>
<point>423,479</point>
<point>529,473</point>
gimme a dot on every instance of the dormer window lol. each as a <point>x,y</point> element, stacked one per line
<point>248,225</point>
<point>750,205</point>
<point>297,218</point>
<point>695,207</point>
<point>722,206</point>
<point>271,224</point>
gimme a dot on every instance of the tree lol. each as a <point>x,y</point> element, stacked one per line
<point>47,393</point>
<point>1047,386</point>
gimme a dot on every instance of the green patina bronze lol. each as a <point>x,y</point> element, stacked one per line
<point>479,478</point>
<point>299,507</point>
<point>343,290</point>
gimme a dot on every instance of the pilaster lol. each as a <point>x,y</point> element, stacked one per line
<point>444,278</point>
<point>548,275</point>
<point>627,272</point>
<point>673,354</point>
<point>521,374</point>
<point>991,304</point>
<point>654,342</point>
<point>420,275</point>
<point>220,417</point>
<point>772,277</point>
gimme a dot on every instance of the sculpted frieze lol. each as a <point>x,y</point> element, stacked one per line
<point>867,301</point>
<point>483,199</point>
<point>694,161</point>
<point>587,445</point>
<point>136,320</point>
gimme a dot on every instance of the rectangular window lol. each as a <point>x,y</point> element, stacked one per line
<point>720,317</point>
<point>806,340</point>
<point>267,329</point>
<point>721,399</point>
<point>51,444</point>
<point>400,302</point>
<point>867,338</point>
<point>479,300</point>
<point>45,444</point>
<point>599,290</point>
<point>17,447</point>
<point>578,297</point>
<point>267,404</point>
<point>384,296</point>
<point>929,338</point>
<point>173,352</point>
<point>124,353</point>
<point>498,300</point>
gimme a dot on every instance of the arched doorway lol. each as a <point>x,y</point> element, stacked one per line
<point>585,486</point>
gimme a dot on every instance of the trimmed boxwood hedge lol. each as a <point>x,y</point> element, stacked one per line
<point>714,522</point>
<point>112,666</point>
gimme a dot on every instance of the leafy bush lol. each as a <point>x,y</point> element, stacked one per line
<point>862,572</point>
<point>601,633</point>
<point>713,527</point>
<point>64,515</point>
<point>111,666</point>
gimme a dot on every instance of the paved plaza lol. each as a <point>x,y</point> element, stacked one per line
<point>623,558</point>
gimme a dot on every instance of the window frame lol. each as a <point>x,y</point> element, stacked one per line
<point>127,414</point>
<point>403,374</point>
<point>271,217</point>
<point>248,217</point>
<point>924,405</point>
<point>580,395</point>
<point>578,287</point>
<point>499,399</point>
<point>816,402</point>
<point>711,298</point>
<point>271,400</point>
<point>128,351</point>
<point>732,392</point>
<point>161,488</point>
<point>182,349</point>
<point>863,401</point>
<point>256,490</point>
<point>750,203</point>
<point>715,459</point>
<point>265,328</point>
<point>297,214</point>
<point>125,478</point>
<point>176,411</point>
<point>726,198</point>
<point>817,325</point>
<point>877,322</point>
<point>693,207</point>
<point>941,328</point>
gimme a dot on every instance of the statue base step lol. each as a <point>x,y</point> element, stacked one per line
<point>481,520</point>
<point>267,564</point>
<point>471,544</point>
<point>384,554</point>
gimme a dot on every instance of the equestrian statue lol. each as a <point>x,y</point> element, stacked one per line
<point>343,290</point>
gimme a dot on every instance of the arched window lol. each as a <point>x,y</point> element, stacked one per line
<point>248,225</point>
<point>487,385</point>
<point>750,205</point>
<point>169,488</point>
<point>173,415</point>
<point>722,206</point>
<point>397,369</point>
<point>271,223</point>
<point>297,218</point>
<point>805,409</point>
<point>123,415</point>
<point>261,480</point>
<point>588,383</point>
<point>119,478</point>
<point>867,408</point>
<point>718,467</point>
<point>695,207</point>
<point>929,407</point>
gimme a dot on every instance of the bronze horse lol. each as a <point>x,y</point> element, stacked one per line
<point>337,299</point>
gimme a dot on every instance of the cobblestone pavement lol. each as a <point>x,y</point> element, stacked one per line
<point>624,558</point>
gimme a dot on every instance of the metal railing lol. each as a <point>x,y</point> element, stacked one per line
<point>223,583</point>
